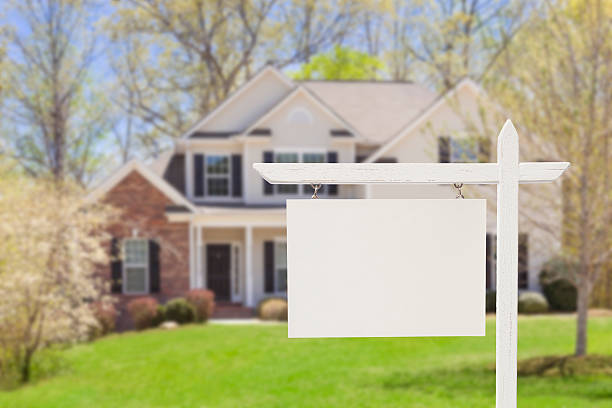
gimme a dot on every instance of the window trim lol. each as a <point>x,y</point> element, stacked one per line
<point>277,241</point>
<point>125,265</point>
<point>207,177</point>
<point>191,181</point>
<point>300,152</point>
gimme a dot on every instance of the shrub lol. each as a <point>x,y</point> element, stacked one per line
<point>106,315</point>
<point>490,301</point>
<point>180,311</point>
<point>273,309</point>
<point>203,302</point>
<point>160,316</point>
<point>561,295</point>
<point>143,312</point>
<point>532,302</point>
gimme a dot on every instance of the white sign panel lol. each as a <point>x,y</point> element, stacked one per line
<point>386,268</point>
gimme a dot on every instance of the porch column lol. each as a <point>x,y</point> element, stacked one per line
<point>199,275</point>
<point>191,258</point>
<point>248,246</point>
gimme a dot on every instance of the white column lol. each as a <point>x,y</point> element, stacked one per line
<point>192,255</point>
<point>248,261</point>
<point>507,266</point>
<point>199,278</point>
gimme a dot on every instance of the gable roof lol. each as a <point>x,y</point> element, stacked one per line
<point>135,165</point>
<point>423,116</point>
<point>301,90</point>
<point>219,108</point>
<point>376,109</point>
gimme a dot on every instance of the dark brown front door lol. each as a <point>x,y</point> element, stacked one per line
<point>218,270</point>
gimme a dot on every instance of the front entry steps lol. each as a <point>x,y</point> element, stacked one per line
<point>230,310</point>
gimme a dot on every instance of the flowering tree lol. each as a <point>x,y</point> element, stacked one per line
<point>52,241</point>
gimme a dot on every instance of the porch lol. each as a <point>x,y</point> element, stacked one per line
<point>241,264</point>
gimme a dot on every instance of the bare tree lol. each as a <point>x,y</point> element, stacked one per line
<point>458,38</point>
<point>178,60</point>
<point>556,82</point>
<point>54,118</point>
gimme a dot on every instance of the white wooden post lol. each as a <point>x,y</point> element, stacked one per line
<point>507,266</point>
<point>507,173</point>
<point>192,254</point>
<point>200,278</point>
<point>248,262</point>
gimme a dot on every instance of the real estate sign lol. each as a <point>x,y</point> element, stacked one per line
<point>386,268</point>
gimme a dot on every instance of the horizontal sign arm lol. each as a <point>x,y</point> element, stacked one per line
<point>373,173</point>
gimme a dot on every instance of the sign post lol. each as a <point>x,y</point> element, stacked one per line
<point>507,173</point>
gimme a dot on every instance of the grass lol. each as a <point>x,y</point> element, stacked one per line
<point>257,366</point>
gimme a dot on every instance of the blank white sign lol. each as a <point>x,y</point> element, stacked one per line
<point>386,268</point>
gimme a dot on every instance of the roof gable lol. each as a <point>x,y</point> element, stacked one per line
<point>243,106</point>
<point>301,91</point>
<point>162,185</point>
<point>377,109</point>
<point>422,118</point>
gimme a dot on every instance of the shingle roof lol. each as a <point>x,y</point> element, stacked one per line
<point>376,109</point>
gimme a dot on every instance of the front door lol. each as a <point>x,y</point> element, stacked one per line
<point>218,270</point>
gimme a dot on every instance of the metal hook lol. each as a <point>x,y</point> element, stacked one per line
<point>316,188</point>
<point>458,186</point>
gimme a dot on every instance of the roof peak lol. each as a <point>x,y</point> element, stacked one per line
<point>372,81</point>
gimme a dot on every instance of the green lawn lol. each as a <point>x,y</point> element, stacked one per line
<point>257,366</point>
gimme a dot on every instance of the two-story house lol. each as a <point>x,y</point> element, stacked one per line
<point>201,217</point>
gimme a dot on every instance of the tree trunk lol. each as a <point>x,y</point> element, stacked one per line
<point>25,367</point>
<point>582,319</point>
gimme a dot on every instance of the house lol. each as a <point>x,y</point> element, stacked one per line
<point>201,217</point>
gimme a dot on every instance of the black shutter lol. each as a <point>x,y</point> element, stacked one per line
<point>523,262</point>
<point>236,175</point>
<point>268,157</point>
<point>332,157</point>
<point>484,150</point>
<point>489,261</point>
<point>269,266</point>
<point>175,172</point>
<point>154,281</point>
<point>198,175</point>
<point>444,149</point>
<point>116,266</point>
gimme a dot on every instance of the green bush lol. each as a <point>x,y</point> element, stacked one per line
<point>180,311</point>
<point>143,312</point>
<point>273,309</point>
<point>490,301</point>
<point>203,302</point>
<point>160,316</point>
<point>532,302</point>
<point>561,295</point>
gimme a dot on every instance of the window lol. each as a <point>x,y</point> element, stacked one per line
<point>313,158</point>
<point>463,150</point>
<point>280,266</point>
<point>217,176</point>
<point>135,266</point>
<point>293,157</point>
<point>287,158</point>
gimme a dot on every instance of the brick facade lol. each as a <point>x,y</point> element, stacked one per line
<point>142,208</point>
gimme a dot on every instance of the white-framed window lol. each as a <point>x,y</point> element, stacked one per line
<point>135,266</point>
<point>464,150</point>
<point>286,157</point>
<point>297,157</point>
<point>280,266</point>
<point>218,175</point>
